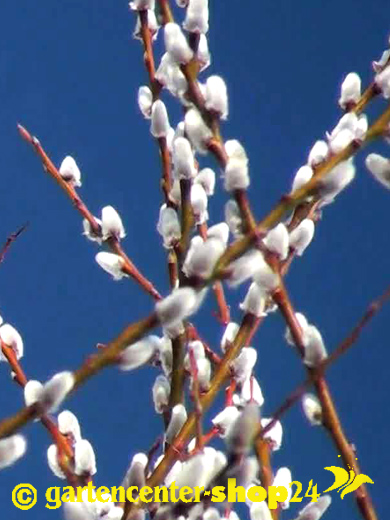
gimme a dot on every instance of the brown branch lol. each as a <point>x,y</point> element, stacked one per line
<point>331,420</point>
<point>10,240</point>
<point>128,268</point>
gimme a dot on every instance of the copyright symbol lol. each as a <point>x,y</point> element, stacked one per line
<point>24,496</point>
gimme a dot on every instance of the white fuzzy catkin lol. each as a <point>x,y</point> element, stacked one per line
<point>145,101</point>
<point>111,263</point>
<point>206,177</point>
<point>180,304</point>
<point>32,392</point>
<point>301,237</point>
<point>197,17</point>
<point>382,81</point>
<point>178,418</point>
<point>55,390</point>
<point>379,167</point>
<point>84,456</point>
<point>216,99</point>
<point>315,510</point>
<point>318,153</point>
<point>277,241</point>
<point>312,409</point>
<point>197,131</point>
<point>199,203</point>
<point>350,90</point>
<point>139,353</point>
<point>161,390</point>
<point>11,449</point>
<point>11,338</point>
<point>159,126</point>
<point>303,175</point>
<point>52,460</point>
<point>183,159</point>
<point>70,172</point>
<point>274,435</point>
<point>169,226</point>
<point>69,425</point>
<point>112,226</point>
<point>176,43</point>
<point>315,350</point>
<point>202,257</point>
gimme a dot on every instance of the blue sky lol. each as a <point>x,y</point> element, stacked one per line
<point>69,72</point>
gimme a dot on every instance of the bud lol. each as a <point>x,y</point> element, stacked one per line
<point>180,304</point>
<point>337,179</point>
<point>219,232</point>
<point>139,353</point>
<point>199,203</point>
<point>55,390</point>
<point>112,226</point>
<point>382,62</point>
<point>241,435</point>
<point>204,374</point>
<point>236,175</point>
<point>382,81</point>
<point>206,178</point>
<point>203,53</point>
<point>160,123</point>
<point>317,154</point>
<point>265,277</point>
<point>315,510</point>
<point>69,425</point>
<point>11,449</point>
<point>259,511</point>
<point>178,418</point>
<point>197,17</point>
<point>70,172</point>
<point>303,175</point>
<point>32,392</point>
<point>229,335</point>
<point>247,266</point>
<point>111,263</point>
<point>202,258</point>
<point>350,91</point>
<point>161,390</point>
<point>183,159</point>
<point>52,460</point>
<point>301,236</point>
<point>165,355</point>
<point>379,167</point>
<point>274,435</point>
<point>233,218</point>
<point>84,457</point>
<point>89,233</point>
<point>152,25</point>
<point>315,350</point>
<point>312,409</point>
<point>169,226</point>
<point>250,393</point>
<point>216,96</point>
<point>235,150</point>
<point>145,101</point>
<point>176,43</point>
<point>135,475</point>
<point>225,419</point>
<point>197,131</point>
<point>277,241</point>
<point>283,478</point>
<point>243,365</point>
<point>302,323</point>
<point>11,337</point>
